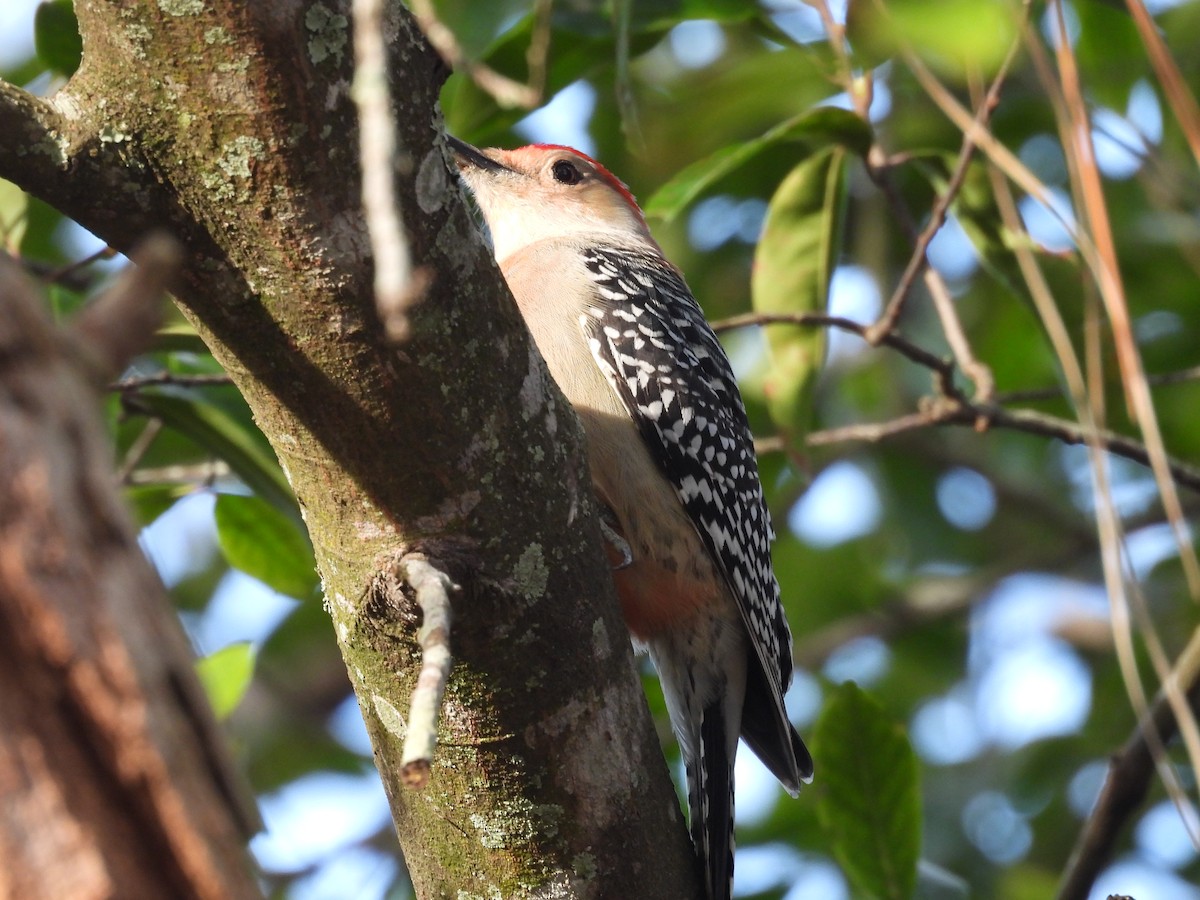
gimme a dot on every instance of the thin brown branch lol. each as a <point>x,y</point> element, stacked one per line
<point>949,405</point>
<point>874,432</point>
<point>137,450</point>
<point>1130,772</point>
<point>919,259</point>
<point>504,90</point>
<point>1025,420</point>
<point>956,336</point>
<point>433,588</point>
<point>918,264</point>
<point>937,215</point>
<point>538,54</point>
<point>997,153</point>
<point>860,88</point>
<point>65,274</point>
<point>71,276</point>
<point>1163,379</point>
<point>1112,290</point>
<point>1183,103</point>
<point>942,368</point>
<point>398,286</point>
<point>137,382</point>
<point>198,474</point>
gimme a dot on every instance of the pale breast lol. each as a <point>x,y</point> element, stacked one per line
<point>672,576</point>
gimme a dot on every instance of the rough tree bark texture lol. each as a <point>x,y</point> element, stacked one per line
<point>230,125</point>
<point>113,777</point>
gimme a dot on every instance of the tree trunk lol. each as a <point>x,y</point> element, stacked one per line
<point>230,125</point>
<point>113,774</point>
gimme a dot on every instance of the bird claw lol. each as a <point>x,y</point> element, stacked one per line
<point>613,538</point>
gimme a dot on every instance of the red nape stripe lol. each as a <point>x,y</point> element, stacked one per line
<point>617,184</point>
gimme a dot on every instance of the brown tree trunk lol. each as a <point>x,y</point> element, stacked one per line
<point>113,776</point>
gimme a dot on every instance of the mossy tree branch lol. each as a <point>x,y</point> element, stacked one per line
<point>230,126</point>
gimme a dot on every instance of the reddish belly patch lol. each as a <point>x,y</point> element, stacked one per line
<point>655,599</point>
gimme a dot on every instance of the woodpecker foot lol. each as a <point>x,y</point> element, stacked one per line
<point>620,554</point>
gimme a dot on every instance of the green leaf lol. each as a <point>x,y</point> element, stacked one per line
<point>816,129</point>
<point>793,265</point>
<point>668,13</point>
<point>215,430</point>
<point>56,36</point>
<point>870,804</point>
<point>1027,881</point>
<point>260,541</point>
<point>13,204</point>
<point>962,36</point>
<point>226,675</point>
<point>179,337</point>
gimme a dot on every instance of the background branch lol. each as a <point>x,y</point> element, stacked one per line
<point>949,405</point>
<point>1126,784</point>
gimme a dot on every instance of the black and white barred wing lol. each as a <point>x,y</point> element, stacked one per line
<point>650,338</point>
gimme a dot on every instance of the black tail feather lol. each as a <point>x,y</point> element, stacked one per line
<point>771,736</point>
<point>710,801</point>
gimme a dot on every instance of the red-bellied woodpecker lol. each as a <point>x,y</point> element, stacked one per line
<point>672,463</point>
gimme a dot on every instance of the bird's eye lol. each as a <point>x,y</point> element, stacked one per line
<point>566,173</point>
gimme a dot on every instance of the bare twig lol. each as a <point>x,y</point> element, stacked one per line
<point>1183,103</point>
<point>433,588</point>
<point>1162,379</point>
<point>1000,155</point>
<point>1108,279</point>
<point>138,449</point>
<point>949,405</point>
<point>1028,421</point>
<point>956,336</point>
<point>71,275</point>
<point>197,474</point>
<point>538,54</point>
<point>1086,390</point>
<point>979,374</point>
<point>137,382</point>
<point>65,273</point>
<point>622,12</point>
<point>942,368</point>
<point>1129,775</point>
<point>918,260</point>
<point>1141,409</point>
<point>506,92</point>
<point>937,215</point>
<point>860,88</point>
<point>397,286</point>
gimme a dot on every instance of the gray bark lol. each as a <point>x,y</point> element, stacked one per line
<point>230,125</point>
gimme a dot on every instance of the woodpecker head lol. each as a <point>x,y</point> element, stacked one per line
<point>547,191</point>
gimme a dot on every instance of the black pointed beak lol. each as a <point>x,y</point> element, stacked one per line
<point>466,155</point>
